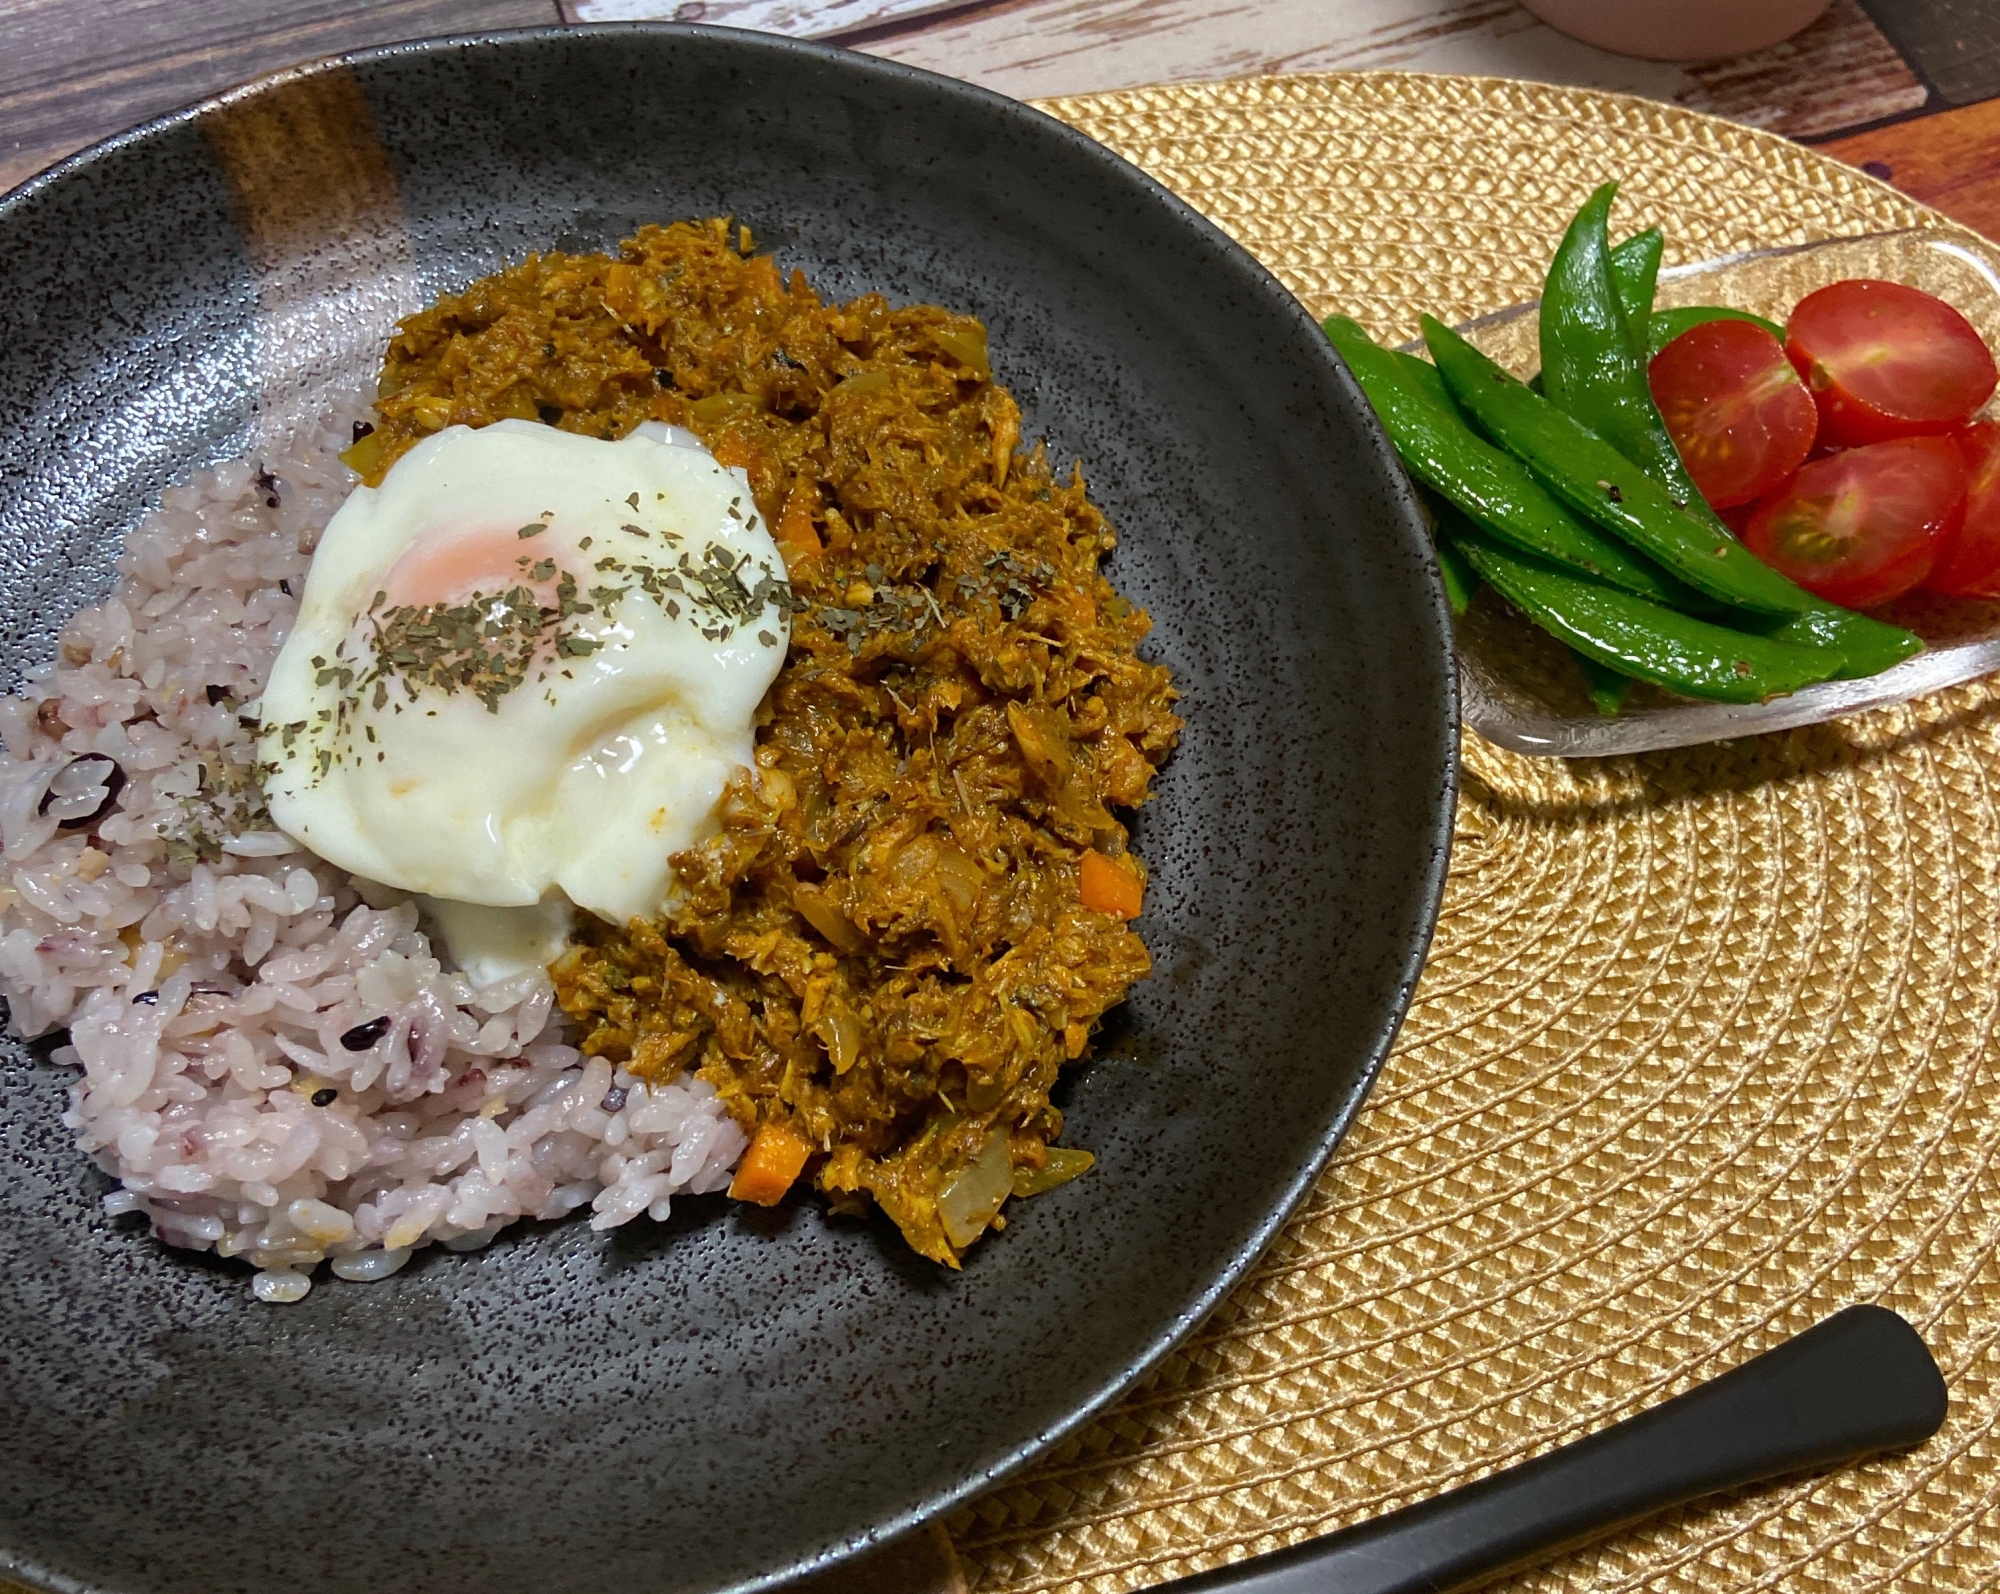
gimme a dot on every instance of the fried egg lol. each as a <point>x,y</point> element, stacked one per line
<point>523,670</point>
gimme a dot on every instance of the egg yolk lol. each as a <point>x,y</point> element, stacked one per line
<point>507,765</point>
<point>447,565</point>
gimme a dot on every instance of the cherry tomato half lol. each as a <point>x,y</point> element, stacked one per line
<point>1863,526</point>
<point>1735,408</point>
<point>1968,565</point>
<point>1885,360</point>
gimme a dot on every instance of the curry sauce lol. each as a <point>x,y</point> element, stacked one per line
<point>915,911</point>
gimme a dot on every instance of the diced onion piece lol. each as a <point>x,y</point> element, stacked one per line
<point>824,915</point>
<point>973,1198</point>
<point>1040,736</point>
<point>777,789</point>
<point>939,867</point>
<point>367,457</point>
<point>1064,1164</point>
<point>968,348</point>
<point>839,1031</point>
<point>959,877</point>
<point>719,407</point>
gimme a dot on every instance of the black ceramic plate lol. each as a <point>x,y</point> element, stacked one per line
<point>736,1396</point>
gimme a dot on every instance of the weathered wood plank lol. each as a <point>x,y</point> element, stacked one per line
<point>74,71</point>
<point>801,19</point>
<point>1950,160</point>
<point>1839,73</point>
<point>1955,44</point>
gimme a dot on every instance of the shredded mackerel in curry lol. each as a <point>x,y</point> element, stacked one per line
<point>885,949</point>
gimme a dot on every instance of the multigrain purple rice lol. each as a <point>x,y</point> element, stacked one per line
<point>214,979</point>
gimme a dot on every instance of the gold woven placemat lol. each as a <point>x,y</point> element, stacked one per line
<point>1702,1052</point>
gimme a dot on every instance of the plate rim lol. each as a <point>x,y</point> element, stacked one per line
<point>1255,275</point>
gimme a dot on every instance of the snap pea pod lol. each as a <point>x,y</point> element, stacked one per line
<point>1594,332</point>
<point>1444,453</point>
<point>1669,591</point>
<point>1869,645</point>
<point>1635,273</point>
<point>1425,376</point>
<point>1593,478</point>
<point>1607,688</point>
<point>1663,326</point>
<point>1641,639</point>
<point>1591,367</point>
<point>1460,580</point>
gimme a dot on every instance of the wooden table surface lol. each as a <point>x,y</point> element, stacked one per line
<point>1909,90</point>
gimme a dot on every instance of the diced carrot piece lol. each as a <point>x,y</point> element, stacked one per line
<point>732,451</point>
<point>1110,885</point>
<point>776,1157</point>
<point>797,538</point>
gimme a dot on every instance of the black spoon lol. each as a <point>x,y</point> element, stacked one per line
<point>1857,1383</point>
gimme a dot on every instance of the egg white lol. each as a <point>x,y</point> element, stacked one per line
<point>581,782</point>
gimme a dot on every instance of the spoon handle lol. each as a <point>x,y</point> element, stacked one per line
<point>1857,1383</point>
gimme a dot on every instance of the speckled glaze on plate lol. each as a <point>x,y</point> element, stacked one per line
<point>737,1396</point>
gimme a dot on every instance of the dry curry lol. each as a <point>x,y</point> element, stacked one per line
<point>916,908</point>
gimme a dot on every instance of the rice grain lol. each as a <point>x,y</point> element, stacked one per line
<point>272,1060</point>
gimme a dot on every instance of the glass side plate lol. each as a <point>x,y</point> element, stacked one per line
<point>1522,689</point>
